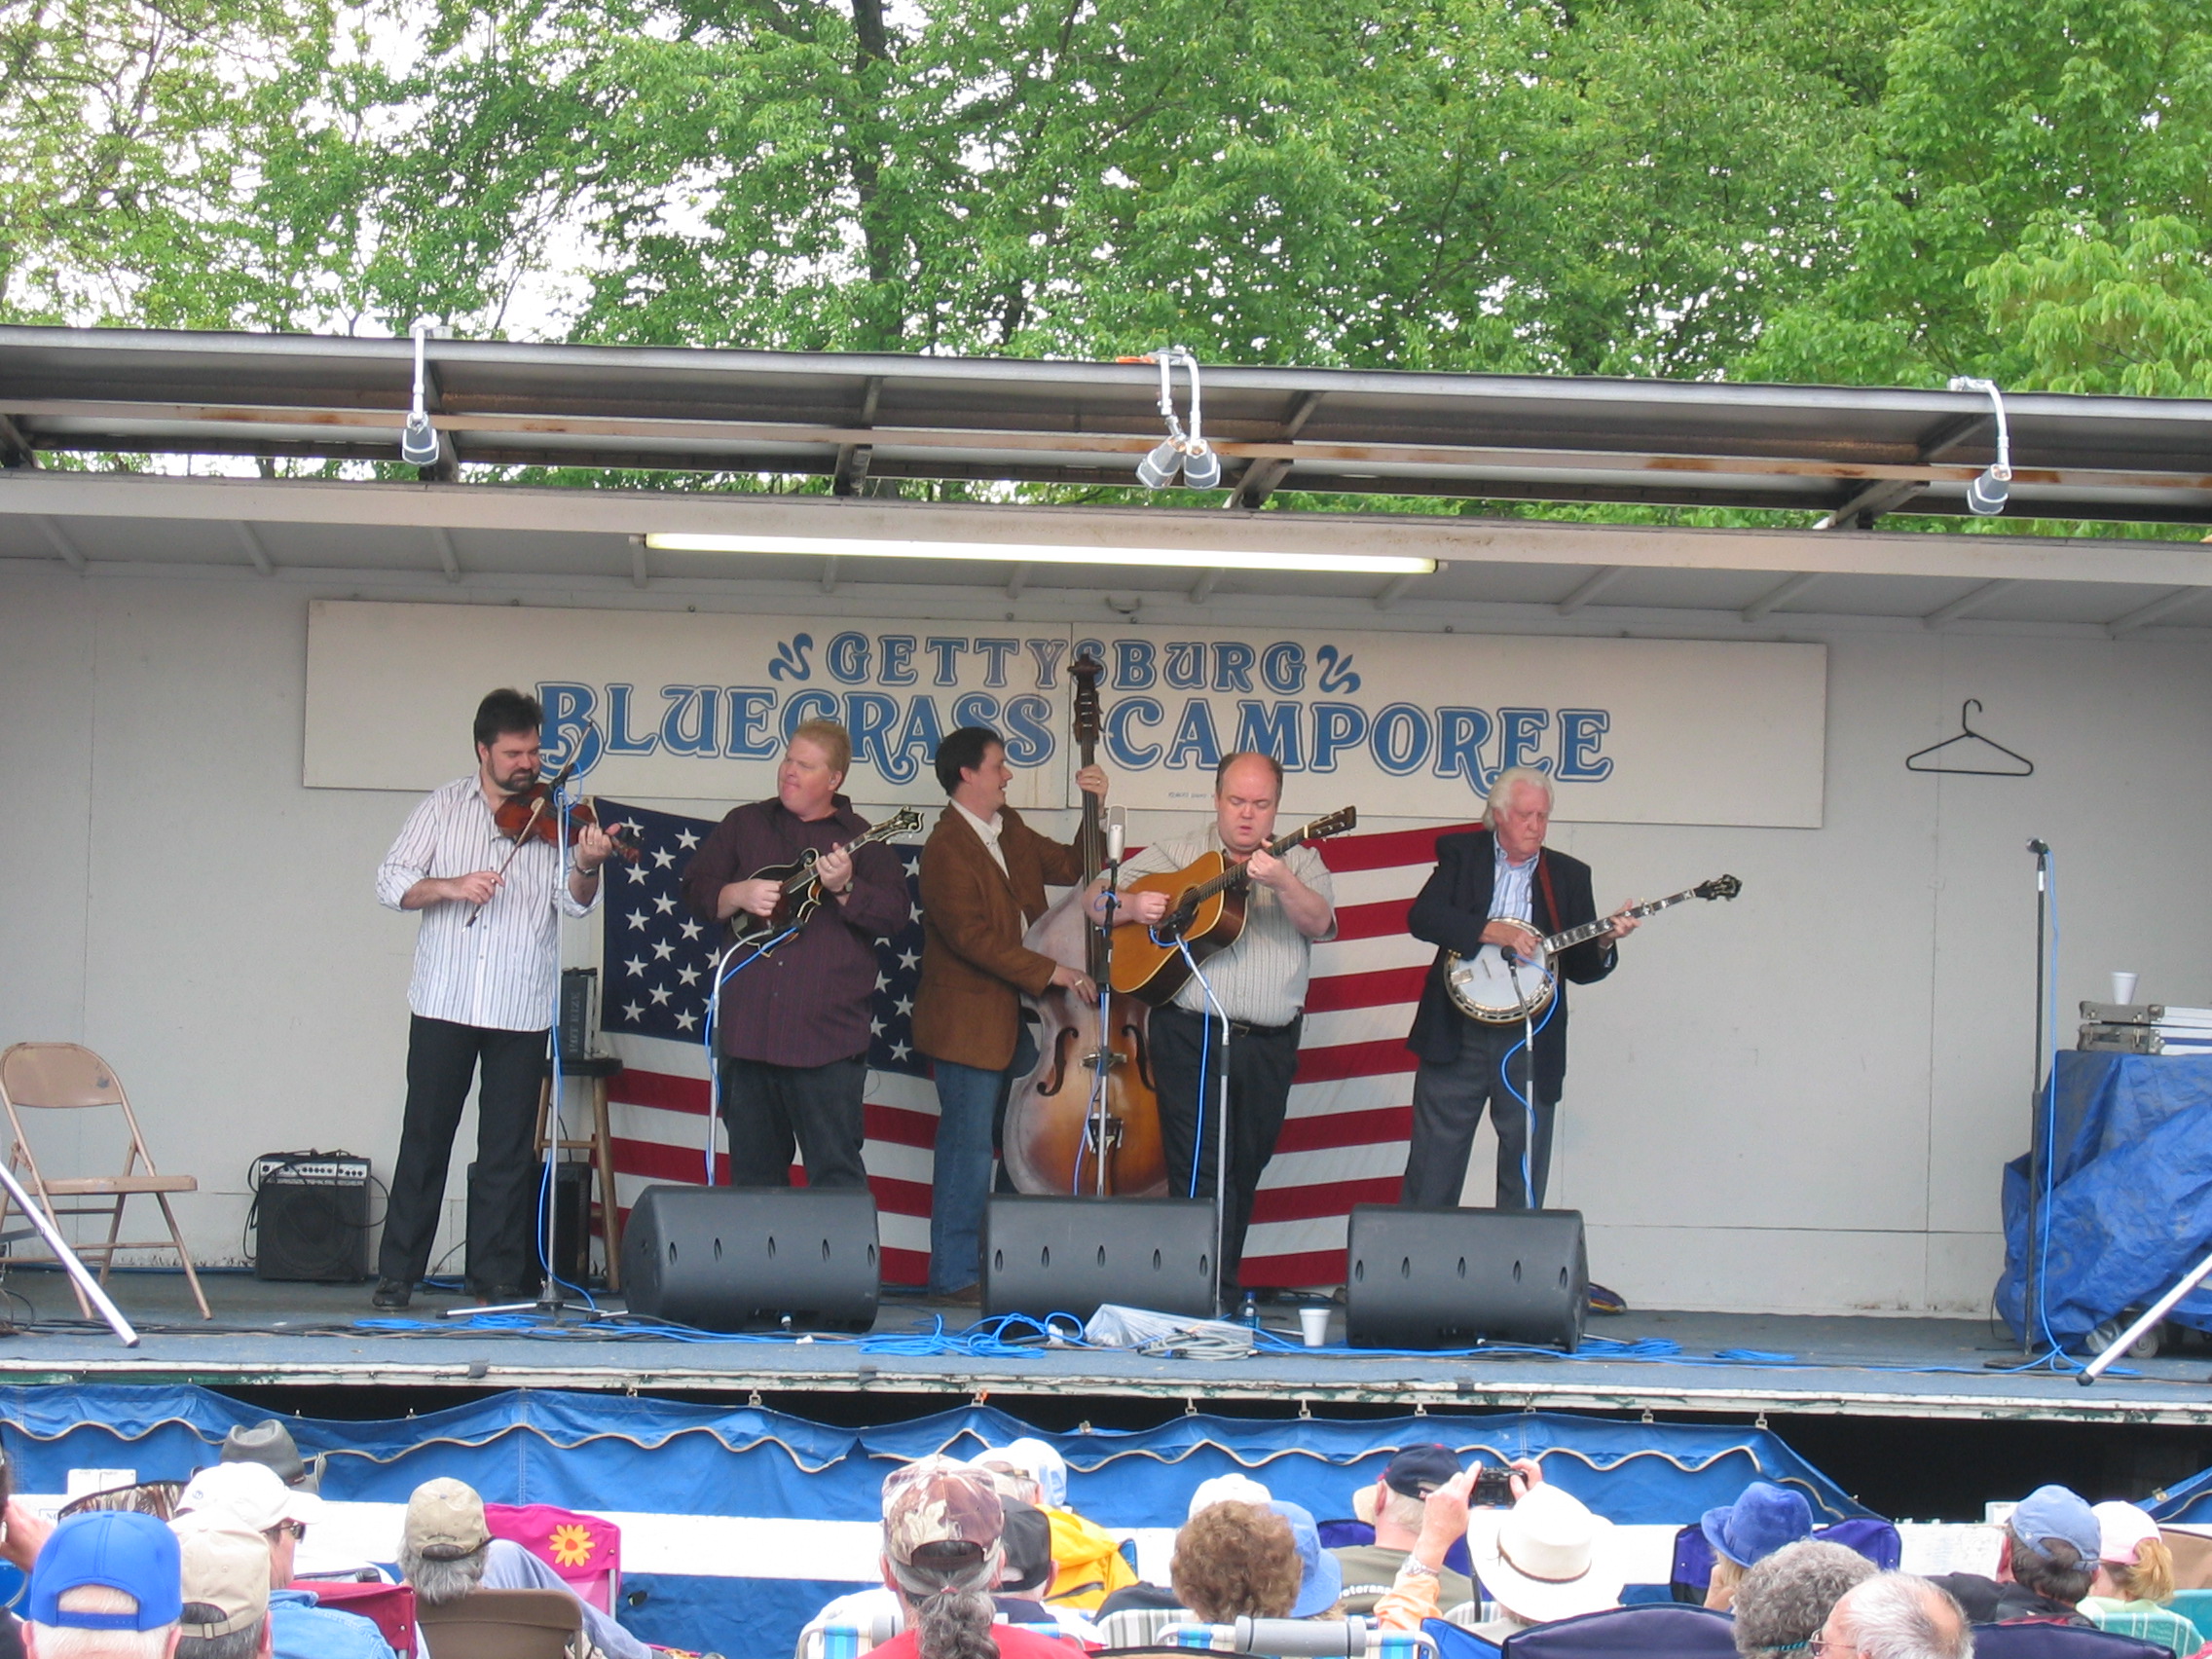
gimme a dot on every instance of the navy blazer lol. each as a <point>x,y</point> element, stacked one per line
<point>1451,914</point>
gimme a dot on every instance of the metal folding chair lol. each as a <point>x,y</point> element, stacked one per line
<point>66,1076</point>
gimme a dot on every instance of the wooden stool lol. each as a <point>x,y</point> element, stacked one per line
<point>598,1068</point>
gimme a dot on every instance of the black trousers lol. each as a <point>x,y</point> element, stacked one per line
<point>1261,1061</point>
<point>1449,1098</point>
<point>772,1110</point>
<point>442,1060</point>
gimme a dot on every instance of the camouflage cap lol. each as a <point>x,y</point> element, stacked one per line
<point>940,1500</point>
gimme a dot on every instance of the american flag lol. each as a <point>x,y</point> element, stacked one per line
<point>1350,1108</point>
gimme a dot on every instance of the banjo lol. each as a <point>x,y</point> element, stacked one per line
<point>1499,991</point>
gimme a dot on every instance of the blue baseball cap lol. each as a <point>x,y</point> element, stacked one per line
<point>1320,1577</point>
<point>134,1553</point>
<point>2053,1512</point>
<point>1758,1524</point>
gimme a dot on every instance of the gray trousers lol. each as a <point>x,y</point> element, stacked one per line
<point>1449,1098</point>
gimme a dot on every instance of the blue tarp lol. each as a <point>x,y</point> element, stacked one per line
<point>2131,1205</point>
<point>602,1451</point>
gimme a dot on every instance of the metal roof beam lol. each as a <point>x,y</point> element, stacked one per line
<point>1767,603</point>
<point>1602,580</point>
<point>15,447</point>
<point>849,474</point>
<point>448,558</point>
<point>249,538</point>
<point>1262,477</point>
<point>66,550</point>
<point>1971,601</point>
<point>2158,610</point>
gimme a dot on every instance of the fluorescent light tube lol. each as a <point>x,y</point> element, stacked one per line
<point>1043,553</point>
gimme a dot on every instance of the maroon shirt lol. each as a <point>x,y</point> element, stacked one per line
<point>807,1003</point>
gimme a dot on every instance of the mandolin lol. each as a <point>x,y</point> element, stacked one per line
<point>1205,911</point>
<point>802,889</point>
<point>1487,987</point>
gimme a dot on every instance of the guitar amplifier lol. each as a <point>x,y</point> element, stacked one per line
<point>311,1217</point>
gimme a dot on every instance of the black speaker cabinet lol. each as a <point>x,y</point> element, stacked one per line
<point>572,1225</point>
<point>1054,1255</point>
<point>311,1217</point>
<point>730,1258</point>
<point>1450,1278</point>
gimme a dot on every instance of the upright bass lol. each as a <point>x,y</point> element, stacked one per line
<point>1086,1121</point>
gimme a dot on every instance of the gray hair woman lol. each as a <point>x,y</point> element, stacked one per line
<point>1782,1602</point>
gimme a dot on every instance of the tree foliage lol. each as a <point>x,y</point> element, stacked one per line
<point>1871,191</point>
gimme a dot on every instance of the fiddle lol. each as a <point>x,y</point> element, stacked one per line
<point>531,815</point>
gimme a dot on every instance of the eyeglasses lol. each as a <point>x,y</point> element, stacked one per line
<point>1820,1647</point>
<point>295,1530</point>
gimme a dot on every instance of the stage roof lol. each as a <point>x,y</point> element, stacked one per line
<point>1831,459</point>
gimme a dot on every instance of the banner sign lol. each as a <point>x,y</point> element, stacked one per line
<point>689,706</point>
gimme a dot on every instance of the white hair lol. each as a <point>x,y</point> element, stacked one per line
<point>1896,1615</point>
<point>1506,781</point>
<point>69,1641</point>
<point>441,1579</point>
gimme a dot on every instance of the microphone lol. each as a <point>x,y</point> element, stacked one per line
<point>1116,833</point>
<point>2039,846</point>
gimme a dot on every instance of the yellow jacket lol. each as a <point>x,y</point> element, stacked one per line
<point>1087,1564</point>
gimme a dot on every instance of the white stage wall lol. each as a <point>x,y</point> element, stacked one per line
<point>1800,1103</point>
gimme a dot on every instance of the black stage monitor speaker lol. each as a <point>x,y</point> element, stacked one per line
<point>1450,1278</point>
<point>1054,1255</point>
<point>729,1257</point>
<point>311,1217</point>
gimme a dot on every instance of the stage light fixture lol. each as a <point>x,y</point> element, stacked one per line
<point>1041,553</point>
<point>419,439</point>
<point>1186,453</point>
<point>1988,493</point>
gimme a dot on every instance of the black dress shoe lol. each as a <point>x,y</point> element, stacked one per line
<point>391,1292</point>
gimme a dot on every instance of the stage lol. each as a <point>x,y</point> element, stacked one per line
<point>306,1336</point>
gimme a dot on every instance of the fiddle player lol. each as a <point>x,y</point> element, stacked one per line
<point>482,997</point>
<point>984,877</point>
<point>1259,987</point>
<point>1499,885</point>
<point>794,1025</point>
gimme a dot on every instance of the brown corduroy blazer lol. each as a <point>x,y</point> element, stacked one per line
<point>974,966</point>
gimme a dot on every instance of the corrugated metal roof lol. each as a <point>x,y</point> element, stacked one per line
<point>1821,450</point>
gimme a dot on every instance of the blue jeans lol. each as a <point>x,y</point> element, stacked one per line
<point>970,1104</point>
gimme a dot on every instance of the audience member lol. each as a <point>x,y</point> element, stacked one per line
<point>1234,1561</point>
<point>224,1571</point>
<point>1746,1531</point>
<point>106,1586</point>
<point>271,1443</point>
<point>1159,1598</point>
<point>249,1495</point>
<point>1894,1615</point>
<point>2135,1581</point>
<point>1393,1506</point>
<point>447,1551</point>
<point>22,1532</point>
<point>1781,1602</point>
<point>1320,1580</point>
<point>1086,1560</point>
<point>2046,1563</point>
<point>1547,1558</point>
<point>943,1551</point>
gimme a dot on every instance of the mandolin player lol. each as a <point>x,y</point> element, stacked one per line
<point>1258,985</point>
<point>1499,885</point>
<point>793,1023</point>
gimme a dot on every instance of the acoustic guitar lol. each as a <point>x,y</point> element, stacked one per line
<point>802,893</point>
<point>1205,909</point>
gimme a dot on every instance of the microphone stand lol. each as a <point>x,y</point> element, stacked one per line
<point>1529,1075</point>
<point>1101,1094</point>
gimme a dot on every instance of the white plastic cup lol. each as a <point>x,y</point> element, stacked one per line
<point>2123,988</point>
<point>1314,1322</point>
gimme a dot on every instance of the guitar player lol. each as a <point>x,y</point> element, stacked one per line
<point>1258,983</point>
<point>1499,885</point>
<point>792,1026</point>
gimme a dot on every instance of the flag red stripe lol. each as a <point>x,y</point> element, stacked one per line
<point>1342,1060</point>
<point>1304,1266</point>
<point>1385,918</point>
<point>1334,1130</point>
<point>1386,849</point>
<point>1310,1203</point>
<point>664,1089</point>
<point>1384,987</point>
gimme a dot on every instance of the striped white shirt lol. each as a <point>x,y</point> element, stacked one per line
<point>1261,978</point>
<point>1509,894</point>
<point>502,973</point>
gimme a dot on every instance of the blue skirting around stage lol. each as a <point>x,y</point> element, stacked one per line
<point>721,1575</point>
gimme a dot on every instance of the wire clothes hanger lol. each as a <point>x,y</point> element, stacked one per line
<point>1966,734</point>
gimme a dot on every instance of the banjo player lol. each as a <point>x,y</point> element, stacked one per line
<point>1498,886</point>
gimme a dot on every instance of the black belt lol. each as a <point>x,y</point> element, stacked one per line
<point>1238,1028</point>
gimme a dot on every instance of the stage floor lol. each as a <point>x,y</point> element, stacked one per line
<point>306,1335</point>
